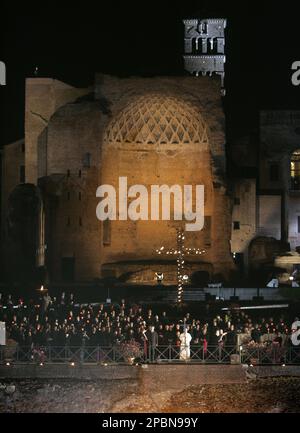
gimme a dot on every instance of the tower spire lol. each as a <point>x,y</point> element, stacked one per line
<point>204,47</point>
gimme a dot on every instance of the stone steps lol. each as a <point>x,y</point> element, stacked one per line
<point>188,296</point>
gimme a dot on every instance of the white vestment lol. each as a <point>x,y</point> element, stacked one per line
<point>185,340</point>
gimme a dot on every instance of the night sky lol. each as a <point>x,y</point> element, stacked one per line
<point>146,38</point>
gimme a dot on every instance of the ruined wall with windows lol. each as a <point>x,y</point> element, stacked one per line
<point>279,170</point>
<point>244,215</point>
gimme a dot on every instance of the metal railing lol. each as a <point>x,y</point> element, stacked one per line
<point>220,354</point>
<point>270,355</point>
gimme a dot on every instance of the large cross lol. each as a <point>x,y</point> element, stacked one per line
<point>181,251</point>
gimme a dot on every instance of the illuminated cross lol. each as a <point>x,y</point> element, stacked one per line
<point>181,251</point>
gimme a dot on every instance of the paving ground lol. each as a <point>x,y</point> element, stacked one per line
<point>278,394</point>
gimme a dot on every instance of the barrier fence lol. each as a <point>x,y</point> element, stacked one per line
<point>272,354</point>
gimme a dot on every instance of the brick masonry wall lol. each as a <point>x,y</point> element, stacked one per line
<point>74,129</point>
<point>66,371</point>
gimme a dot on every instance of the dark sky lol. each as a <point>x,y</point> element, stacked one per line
<point>146,38</point>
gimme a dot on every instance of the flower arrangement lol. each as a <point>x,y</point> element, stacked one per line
<point>253,345</point>
<point>130,350</point>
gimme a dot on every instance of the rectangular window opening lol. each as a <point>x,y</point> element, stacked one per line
<point>236,225</point>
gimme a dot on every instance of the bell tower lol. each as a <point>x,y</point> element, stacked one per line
<point>204,47</point>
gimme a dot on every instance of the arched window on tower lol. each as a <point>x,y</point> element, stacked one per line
<point>295,170</point>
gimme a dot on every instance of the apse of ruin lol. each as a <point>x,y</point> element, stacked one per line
<point>154,131</point>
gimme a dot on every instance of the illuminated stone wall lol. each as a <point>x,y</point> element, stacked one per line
<point>162,130</point>
<point>43,96</point>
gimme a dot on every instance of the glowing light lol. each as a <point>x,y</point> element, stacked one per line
<point>159,276</point>
<point>7,364</point>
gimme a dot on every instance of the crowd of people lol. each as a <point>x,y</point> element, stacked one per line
<point>62,322</point>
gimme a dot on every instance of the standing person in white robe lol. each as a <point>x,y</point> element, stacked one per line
<point>185,341</point>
